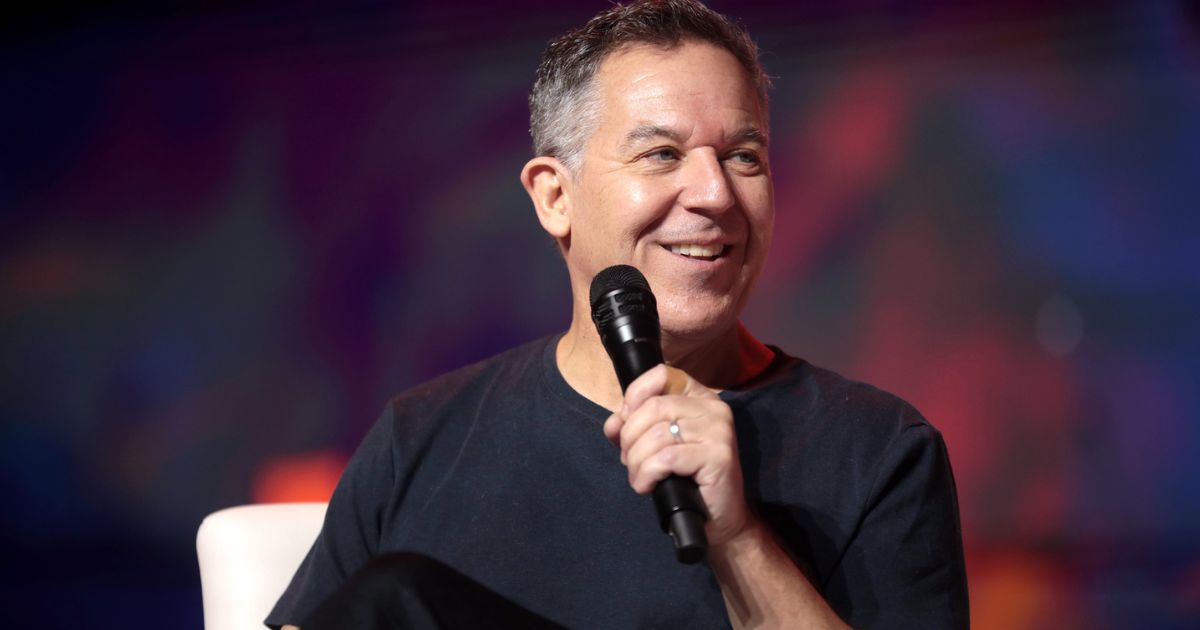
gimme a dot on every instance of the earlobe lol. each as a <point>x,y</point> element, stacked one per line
<point>548,184</point>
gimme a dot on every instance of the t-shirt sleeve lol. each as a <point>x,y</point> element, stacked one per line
<point>350,535</point>
<point>904,566</point>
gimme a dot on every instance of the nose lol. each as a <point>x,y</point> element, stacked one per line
<point>705,185</point>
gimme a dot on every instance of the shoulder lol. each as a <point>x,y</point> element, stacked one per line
<point>862,402</point>
<point>447,395</point>
<point>827,402</point>
<point>523,361</point>
<point>805,416</point>
<point>438,413</point>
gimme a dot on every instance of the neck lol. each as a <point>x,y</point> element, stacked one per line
<point>720,362</point>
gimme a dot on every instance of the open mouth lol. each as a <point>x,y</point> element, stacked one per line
<point>699,252</point>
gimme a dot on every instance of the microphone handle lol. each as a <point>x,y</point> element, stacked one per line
<point>677,500</point>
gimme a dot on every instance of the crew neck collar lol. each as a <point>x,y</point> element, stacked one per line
<point>558,386</point>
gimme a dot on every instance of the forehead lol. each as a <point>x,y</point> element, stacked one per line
<point>680,85</point>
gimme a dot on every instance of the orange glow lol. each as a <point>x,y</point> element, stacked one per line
<point>1014,588</point>
<point>298,478</point>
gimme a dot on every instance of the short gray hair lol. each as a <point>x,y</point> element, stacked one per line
<point>563,107</point>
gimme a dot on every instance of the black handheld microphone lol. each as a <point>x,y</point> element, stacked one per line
<point>626,316</point>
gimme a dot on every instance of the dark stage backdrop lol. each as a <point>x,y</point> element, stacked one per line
<point>229,234</point>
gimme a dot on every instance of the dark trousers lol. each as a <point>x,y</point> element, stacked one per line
<point>407,590</point>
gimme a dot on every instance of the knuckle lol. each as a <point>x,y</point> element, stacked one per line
<point>626,436</point>
<point>641,484</point>
<point>718,409</point>
<point>723,457</point>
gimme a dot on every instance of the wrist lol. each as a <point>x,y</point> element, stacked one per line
<point>753,534</point>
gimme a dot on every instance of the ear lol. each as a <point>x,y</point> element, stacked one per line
<point>549,186</point>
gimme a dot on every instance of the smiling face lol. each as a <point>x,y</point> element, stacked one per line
<point>675,182</point>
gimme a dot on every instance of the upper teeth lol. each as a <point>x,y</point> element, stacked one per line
<point>698,250</point>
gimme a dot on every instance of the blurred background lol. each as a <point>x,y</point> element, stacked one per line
<point>229,232</point>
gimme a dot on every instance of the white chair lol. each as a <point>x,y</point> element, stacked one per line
<point>247,557</point>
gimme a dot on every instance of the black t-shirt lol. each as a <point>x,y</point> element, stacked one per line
<point>501,470</point>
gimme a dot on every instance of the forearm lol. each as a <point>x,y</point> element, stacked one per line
<point>763,588</point>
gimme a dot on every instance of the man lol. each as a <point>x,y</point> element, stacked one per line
<point>830,502</point>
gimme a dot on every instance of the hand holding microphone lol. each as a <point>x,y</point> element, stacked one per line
<point>671,428</point>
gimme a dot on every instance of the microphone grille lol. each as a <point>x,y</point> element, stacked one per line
<point>617,277</point>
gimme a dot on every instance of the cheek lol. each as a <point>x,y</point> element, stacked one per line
<point>764,223</point>
<point>633,208</point>
<point>637,194</point>
<point>604,228</point>
<point>759,209</point>
<point>759,200</point>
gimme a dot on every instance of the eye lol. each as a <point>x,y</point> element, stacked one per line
<point>662,154</point>
<point>749,158</point>
<point>746,162</point>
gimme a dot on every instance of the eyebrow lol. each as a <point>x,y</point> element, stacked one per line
<point>647,131</point>
<point>751,134</point>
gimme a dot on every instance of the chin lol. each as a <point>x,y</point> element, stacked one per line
<point>696,320</point>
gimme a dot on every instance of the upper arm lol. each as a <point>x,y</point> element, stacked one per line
<point>904,565</point>
<point>351,532</point>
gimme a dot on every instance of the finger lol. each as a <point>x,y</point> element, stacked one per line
<point>615,423</point>
<point>612,428</point>
<point>698,461</point>
<point>696,412</point>
<point>651,441</point>
<point>703,428</point>
<point>664,409</point>
<point>651,383</point>
<point>645,474</point>
<point>662,380</point>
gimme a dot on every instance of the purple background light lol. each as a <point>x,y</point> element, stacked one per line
<point>230,234</point>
